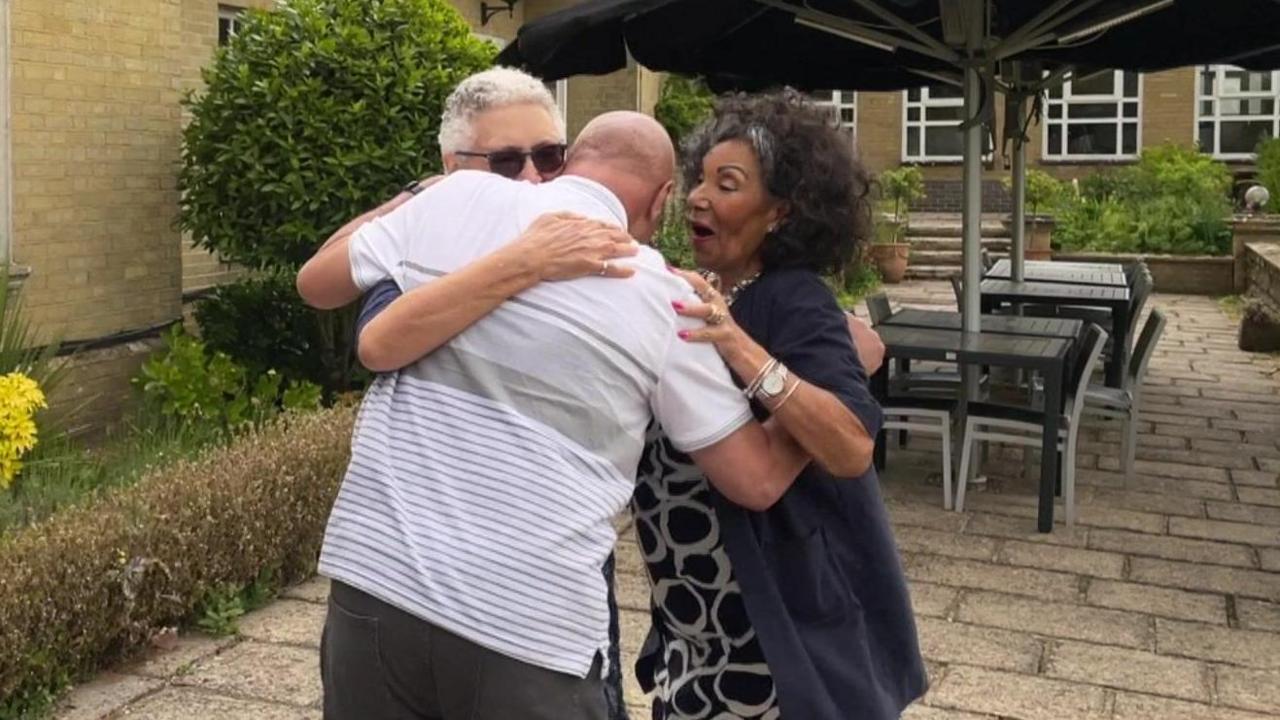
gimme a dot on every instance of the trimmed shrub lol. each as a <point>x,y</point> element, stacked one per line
<point>1269,171</point>
<point>92,584</point>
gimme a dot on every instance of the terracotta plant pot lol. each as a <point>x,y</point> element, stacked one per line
<point>890,259</point>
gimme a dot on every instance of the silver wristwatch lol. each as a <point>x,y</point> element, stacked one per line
<point>773,383</point>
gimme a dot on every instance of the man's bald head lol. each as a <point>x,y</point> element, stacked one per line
<point>631,154</point>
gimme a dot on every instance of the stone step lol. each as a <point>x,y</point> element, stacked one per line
<point>953,258</point>
<point>931,272</point>
<point>953,228</point>
<point>930,242</point>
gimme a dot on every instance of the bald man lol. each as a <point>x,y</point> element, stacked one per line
<point>466,543</point>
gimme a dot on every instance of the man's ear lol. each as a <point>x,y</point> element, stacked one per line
<point>660,202</point>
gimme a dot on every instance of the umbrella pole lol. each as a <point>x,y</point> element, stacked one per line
<point>1018,252</point>
<point>972,217</point>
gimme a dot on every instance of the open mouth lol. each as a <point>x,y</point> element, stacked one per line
<point>701,230</point>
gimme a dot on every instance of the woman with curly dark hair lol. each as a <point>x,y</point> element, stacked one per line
<point>799,611</point>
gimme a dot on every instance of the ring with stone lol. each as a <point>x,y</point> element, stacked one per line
<point>716,317</point>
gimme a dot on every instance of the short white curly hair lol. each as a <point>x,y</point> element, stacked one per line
<point>496,87</point>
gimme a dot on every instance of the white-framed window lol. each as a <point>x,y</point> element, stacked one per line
<point>931,118</point>
<point>1098,117</point>
<point>1235,110</point>
<point>843,105</point>
<point>229,19</point>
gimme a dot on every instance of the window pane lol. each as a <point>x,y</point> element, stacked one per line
<point>1055,91</point>
<point>1206,107</point>
<point>913,141</point>
<point>1055,112</point>
<point>847,97</point>
<point>1204,137</point>
<point>1243,137</point>
<point>913,95</point>
<point>846,116</point>
<point>1247,106</point>
<point>1129,137</point>
<point>951,113</point>
<point>1244,81</point>
<point>1091,139</point>
<point>1131,110</point>
<point>224,30</point>
<point>1130,84</point>
<point>1207,75</point>
<point>1095,111</point>
<point>1055,140</point>
<point>1104,84</point>
<point>913,114</point>
<point>939,141</point>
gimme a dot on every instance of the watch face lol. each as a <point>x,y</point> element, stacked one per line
<point>773,383</point>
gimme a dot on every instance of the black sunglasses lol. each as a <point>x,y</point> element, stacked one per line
<point>509,162</point>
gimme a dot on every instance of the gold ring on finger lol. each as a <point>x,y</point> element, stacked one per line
<point>604,267</point>
<point>716,317</point>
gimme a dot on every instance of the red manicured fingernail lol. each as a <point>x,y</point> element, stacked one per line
<point>683,334</point>
<point>677,304</point>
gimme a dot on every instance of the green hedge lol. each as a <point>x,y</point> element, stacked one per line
<point>90,585</point>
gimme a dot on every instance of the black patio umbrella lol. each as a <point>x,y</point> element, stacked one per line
<point>1018,46</point>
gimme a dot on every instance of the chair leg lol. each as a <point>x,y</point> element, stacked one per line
<point>1069,476</point>
<point>966,450</point>
<point>946,464</point>
<point>1129,450</point>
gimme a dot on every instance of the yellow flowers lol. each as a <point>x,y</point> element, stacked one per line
<point>20,397</point>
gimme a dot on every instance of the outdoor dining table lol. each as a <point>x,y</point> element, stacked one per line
<point>1068,328</point>
<point>1063,273</point>
<point>1115,299</point>
<point>1046,355</point>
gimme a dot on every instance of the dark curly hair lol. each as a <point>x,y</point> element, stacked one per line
<point>808,164</point>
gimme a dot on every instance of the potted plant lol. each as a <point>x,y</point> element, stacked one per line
<point>890,251</point>
<point>1043,190</point>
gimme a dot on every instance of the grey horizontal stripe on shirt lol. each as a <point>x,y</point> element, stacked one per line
<point>572,415</point>
<point>513,608</point>
<point>486,510</point>
<point>563,317</point>
<point>462,428</point>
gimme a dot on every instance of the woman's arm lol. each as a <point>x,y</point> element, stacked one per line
<point>820,421</point>
<point>868,344</point>
<point>557,246</point>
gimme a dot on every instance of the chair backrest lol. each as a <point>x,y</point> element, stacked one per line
<point>878,308</point>
<point>1091,343</point>
<point>1143,351</point>
<point>958,288</point>
<point>1139,293</point>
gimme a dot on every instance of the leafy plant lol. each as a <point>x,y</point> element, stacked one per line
<point>902,186</point>
<point>261,323</point>
<point>684,103</point>
<point>220,611</point>
<point>1173,201</point>
<point>1269,171</point>
<point>672,238</point>
<point>191,385</point>
<point>859,280</point>
<point>1043,190</point>
<point>315,112</point>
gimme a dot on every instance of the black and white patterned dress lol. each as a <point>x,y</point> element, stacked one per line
<point>710,665</point>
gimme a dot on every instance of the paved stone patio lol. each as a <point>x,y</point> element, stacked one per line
<point>1163,602</point>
